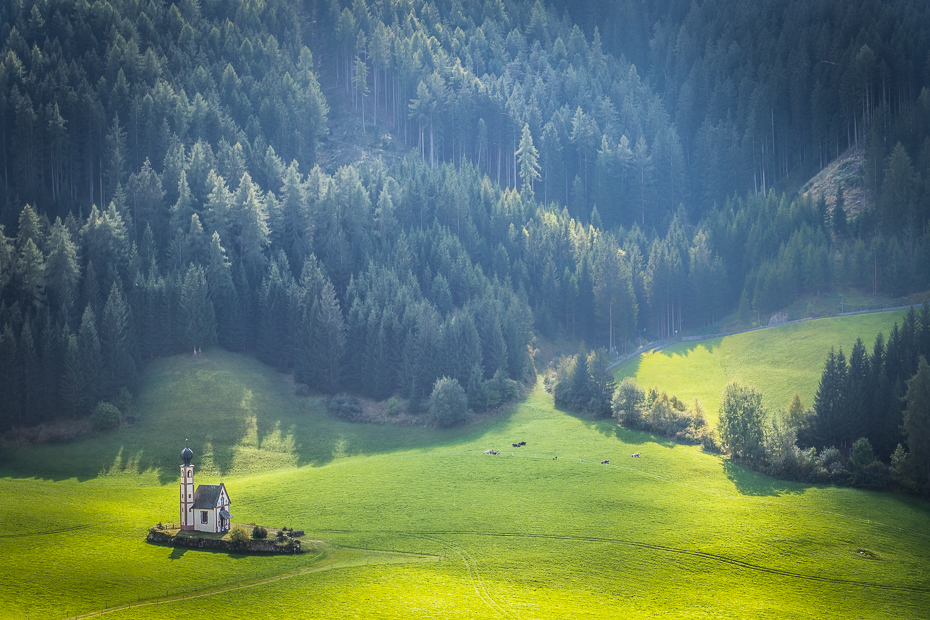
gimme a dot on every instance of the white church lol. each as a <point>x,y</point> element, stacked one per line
<point>207,508</point>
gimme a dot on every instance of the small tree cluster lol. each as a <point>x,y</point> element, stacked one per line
<point>662,414</point>
<point>582,382</point>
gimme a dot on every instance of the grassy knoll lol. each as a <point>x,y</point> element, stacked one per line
<point>778,361</point>
<point>522,535</point>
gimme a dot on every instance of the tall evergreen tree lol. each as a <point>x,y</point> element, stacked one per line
<point>196,315</point>
<point>917,417</point>
<point>328,341</point>
<point>828,403</point>
<point>528,158</point>
<point>88,349</point>
<point>118,346</point>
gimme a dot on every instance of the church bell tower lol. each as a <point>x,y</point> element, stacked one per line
<point>187,489</point>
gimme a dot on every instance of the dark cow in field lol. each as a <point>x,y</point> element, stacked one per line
<point>605,462</point>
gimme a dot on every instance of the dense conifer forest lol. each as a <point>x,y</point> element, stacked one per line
<point>556,170</point>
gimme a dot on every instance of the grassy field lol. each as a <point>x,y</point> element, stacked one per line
<point>778,361</point>
<point>520,535</point>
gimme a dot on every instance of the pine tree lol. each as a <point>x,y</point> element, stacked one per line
<point>30,227</point>
<point>31,374</point>
<point>61,268</point>
<point>11,392</point>
<point>855,396</point>
<point>917,416</point>
<point>476,390</point>
<point>528,158</point>
<point>327,341</point>
<point>196,315</point>
<point>88,349</point>
<point>71,382</point>
<point>182,210</point>
<point>828,402</point>
<point>117,345</point>
<point>30,268</point>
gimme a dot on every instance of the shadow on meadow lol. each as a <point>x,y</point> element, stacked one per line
<point>631,367</point>
<point>609,428</point>
<point>748,482</point>
<point>239,417</point>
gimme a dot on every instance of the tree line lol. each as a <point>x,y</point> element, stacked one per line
<point>879,396</point>
<point>166,157</point>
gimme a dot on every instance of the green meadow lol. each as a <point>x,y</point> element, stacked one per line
<point>417,522</point>
<point>778,361</point>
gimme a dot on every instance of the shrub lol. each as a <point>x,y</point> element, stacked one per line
<point>345,407</point>
<point>448,404</point>
<point>861,455</point>
<point>105,416</point>
<point>710,439</point>
<point>239,535</point>
<point>393,407</point>
<point>259,532</point>
<point>302,389</point>
<point>124,400</point>
<point>830,456</point>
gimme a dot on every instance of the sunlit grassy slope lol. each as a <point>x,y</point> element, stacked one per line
<point>778,361</point>
<point>522,535</point>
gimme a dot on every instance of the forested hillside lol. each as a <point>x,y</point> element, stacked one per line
<point>161,190</point>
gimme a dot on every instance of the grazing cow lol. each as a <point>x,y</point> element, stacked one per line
<point>636,455</point>
<point>605,462</point>
<point>522,443</point>
<point>489,451</point>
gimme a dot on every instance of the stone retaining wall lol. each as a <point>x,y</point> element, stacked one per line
<point>157,537</point>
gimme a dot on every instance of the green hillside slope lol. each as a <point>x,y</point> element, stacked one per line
<point>521,535</point>
<point>778,361</point>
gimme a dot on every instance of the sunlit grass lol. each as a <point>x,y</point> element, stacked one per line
<point>778,361</point>
<point>676,532</point>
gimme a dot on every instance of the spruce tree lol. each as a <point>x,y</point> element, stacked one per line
<point>10,380</point>
<point>88,344</point>
<point>917,417</point>
<point>196,315</point>
<point>329,339</point>
<point>61,268</point>
<point>528,158</point>
<point>828,402</point>
<point>71,381</point>
<point>118,346</point>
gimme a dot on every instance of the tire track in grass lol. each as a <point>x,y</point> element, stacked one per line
<point>62,530</point>
<point>315,568</point>
<point>663,548</point>
<point>473,573</point>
